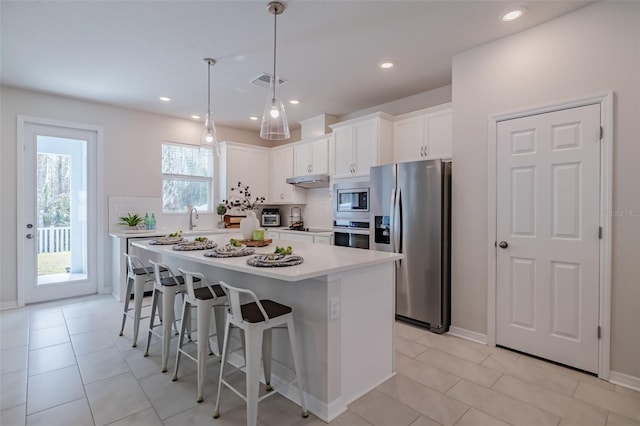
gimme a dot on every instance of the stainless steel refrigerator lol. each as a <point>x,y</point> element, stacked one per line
<point>410,214</point>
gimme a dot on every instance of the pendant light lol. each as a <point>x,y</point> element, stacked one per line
<point>209,136</point>
<point>274,120</point>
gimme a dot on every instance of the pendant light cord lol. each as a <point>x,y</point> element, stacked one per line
<point>275,28</point>
<point>209,92</point>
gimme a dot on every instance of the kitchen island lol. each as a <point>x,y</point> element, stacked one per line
<point>343,304</point>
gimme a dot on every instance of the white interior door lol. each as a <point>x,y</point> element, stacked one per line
<point>548,177</point>
<point>58,213</point>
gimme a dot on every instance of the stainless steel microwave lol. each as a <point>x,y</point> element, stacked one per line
<point>351,201</point>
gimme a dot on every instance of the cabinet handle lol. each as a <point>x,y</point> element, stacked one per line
<point>422,151</point>
<point>426,151</point>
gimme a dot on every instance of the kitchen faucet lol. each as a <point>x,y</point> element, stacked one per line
<point>191,225</point>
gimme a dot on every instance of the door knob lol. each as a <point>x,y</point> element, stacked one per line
<point>29,236</point>
<point>503,244</point>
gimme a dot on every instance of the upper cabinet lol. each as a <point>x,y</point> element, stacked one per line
<point>361,143</point>
<point>243,163</point>
<point>423,135</point>
<point>280,192</point>
<point>311,157</point>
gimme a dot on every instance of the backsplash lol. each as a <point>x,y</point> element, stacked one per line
<point>120,206</point>
<point>318,212</point>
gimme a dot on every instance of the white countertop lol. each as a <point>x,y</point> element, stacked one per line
<point>322,233</point>
<point>163,232</point>
<point>319,259</point>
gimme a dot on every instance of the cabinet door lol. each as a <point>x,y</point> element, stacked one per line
<point>320,156</point>
<point>281,168</point>
<point>299,236</point>
<point>408,139</point>
<point>365,140</point>
<point>318,239</point>
<point>439,131</point>
<point>302,159</point>
<point>257,173</point>
<point>343,152</point>
<point>237,165</point>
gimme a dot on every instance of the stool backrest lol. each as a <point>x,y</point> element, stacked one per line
<point>188,279</point>
<point>234,300</point>
<point>134,262</point>
<point>158,277</point>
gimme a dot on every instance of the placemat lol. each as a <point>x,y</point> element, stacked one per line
<point>195,245</point>
<point>220,253</point>
<point>165,241</point>
<point>263,261</point>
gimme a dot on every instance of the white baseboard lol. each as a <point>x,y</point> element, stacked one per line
<point>625,380</point>
<point>8,305</point>
<point>468,334</point>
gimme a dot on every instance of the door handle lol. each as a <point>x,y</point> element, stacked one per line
<point>503,244</point>
<point>29,236</point>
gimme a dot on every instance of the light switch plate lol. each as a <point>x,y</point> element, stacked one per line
<point>334,308</point>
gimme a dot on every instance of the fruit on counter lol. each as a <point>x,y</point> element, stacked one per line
<point>201,239</point>
<point>283,251</point>
<point>235,243</point>
<point>175,234</point>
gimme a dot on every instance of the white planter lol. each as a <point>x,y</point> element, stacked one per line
<point>248,225</point>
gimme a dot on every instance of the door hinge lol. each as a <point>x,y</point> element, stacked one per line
<point>601,132</point>
<point>599,332</point>
<point>600,232</point>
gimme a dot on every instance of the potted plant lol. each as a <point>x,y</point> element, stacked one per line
<point>241,199</point>
<point>132,220</point>
<point>221,210</point>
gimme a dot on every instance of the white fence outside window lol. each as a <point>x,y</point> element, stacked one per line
<point>54,239</point>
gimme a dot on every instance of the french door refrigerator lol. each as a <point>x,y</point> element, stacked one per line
<point>410,214</point>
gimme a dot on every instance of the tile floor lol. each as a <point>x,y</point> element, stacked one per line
<point>63,363</point>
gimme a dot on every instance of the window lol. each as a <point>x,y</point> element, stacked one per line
<point>187,178</point>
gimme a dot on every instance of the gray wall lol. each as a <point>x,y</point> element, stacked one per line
<point>590,51</point>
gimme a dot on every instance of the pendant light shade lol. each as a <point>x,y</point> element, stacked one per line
<point>274,119</point>
<point>209,136</point>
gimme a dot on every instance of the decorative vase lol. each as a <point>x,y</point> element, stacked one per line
<point>248,225</point>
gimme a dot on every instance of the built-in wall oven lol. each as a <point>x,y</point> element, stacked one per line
<point>351,214</point>
<point>349,233</point>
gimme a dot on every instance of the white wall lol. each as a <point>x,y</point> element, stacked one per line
<point>590,51</point>
<point>131,156</point>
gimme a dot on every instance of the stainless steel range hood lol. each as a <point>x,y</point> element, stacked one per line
<point>310,181</point>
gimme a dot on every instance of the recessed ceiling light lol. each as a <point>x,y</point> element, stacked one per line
<point>165,99</point>
<point>386,64</point>
<point>294,101</point>
<point>195,117</point>
<point>253,117</point>
<point>513,14</point>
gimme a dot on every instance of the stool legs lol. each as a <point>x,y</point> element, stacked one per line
<point>253,341</point>
<point>224,353</point>
<point>127,298</point>
<point>168,301</point>
<point>266,358</point>
<point>154,307</point>
<point>138,295</point>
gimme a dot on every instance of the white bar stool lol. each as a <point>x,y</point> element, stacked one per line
<point>138,276</point>
<point>203,298</point>
<point>256,319</point>
<point>166,288</point>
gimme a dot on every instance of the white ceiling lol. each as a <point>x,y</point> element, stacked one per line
<point>128,53</point>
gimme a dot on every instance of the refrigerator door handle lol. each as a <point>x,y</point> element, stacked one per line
<point>397,229</point>
<point>392,220</point>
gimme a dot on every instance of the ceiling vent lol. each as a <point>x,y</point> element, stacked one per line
<point>264,80</point>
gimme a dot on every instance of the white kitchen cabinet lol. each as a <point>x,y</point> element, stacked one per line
<point>423,135</point>
<point>296,236</point>
<point>311,157</point>
<point>321,239</point>
<point>361,143</point>
<point>281,168</point>
<point>246,164</point>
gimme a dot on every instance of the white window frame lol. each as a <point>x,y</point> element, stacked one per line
<point>191,178</point>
